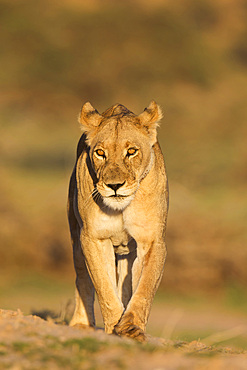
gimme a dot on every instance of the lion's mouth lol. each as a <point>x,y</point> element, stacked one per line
<point>117,196</point>
<point>117,199</point>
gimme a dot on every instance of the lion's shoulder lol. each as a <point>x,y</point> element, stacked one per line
<point>82,145</point>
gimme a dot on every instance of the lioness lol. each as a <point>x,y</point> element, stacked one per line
<point>117,210</point>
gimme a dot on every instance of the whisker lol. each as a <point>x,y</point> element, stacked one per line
<point>96,195</point>
<point>91,196</point>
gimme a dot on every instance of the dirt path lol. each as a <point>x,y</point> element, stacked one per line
<point>29,342</point>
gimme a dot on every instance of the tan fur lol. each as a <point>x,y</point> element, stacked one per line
<point>117,210</point>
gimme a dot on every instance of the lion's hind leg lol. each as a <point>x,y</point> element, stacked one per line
<point>84,295</point>
<point>124,265</point>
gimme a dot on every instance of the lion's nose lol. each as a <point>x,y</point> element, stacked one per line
<point>115,187</point>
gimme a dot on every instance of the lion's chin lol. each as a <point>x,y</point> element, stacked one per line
<point>118,203</point>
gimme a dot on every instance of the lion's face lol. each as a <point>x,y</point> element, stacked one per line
<point>120,151</point>
<point>120,155</point>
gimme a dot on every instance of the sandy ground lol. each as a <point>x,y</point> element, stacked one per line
<point>29,342</point>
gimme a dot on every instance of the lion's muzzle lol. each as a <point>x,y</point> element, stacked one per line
<point>115,186</point>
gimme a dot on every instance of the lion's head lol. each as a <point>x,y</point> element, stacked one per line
<point>121,151</point>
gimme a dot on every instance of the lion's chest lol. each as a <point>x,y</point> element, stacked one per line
<point>111,227</point>
<point>106,225</point>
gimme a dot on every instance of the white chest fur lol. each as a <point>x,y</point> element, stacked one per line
<point>109,226</point>
<point>112,227</point>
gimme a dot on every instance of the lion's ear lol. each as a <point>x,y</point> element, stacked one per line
<point>150,118</point>
<point>89,117</point>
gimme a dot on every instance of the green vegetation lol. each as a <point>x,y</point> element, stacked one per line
<point>215,321</point>
<point>91,353</point>
<point>90,345</point>
<point>236,297</point>
<point>21,347</point>
<point>42,295</point>
<point>68,353</point>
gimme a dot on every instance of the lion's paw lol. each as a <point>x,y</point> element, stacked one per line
<point>82,326</point>
<point>127,328</point>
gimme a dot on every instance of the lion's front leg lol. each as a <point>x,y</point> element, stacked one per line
<point>146,275</point>
<point>100,261</point>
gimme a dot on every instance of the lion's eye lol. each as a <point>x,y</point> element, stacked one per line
<point>131,151</point>
<point>100,153</point>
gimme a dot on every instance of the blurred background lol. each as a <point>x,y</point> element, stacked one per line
<point>188,55</point>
